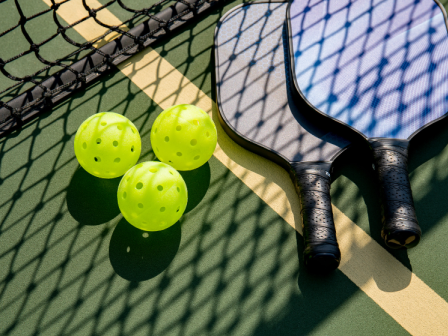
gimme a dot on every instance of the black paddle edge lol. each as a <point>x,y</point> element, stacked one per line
<point>408,230</point>
<point>311,179</point>
<point>259,148</point>
<point>299,93</point>
<point>31,103</point>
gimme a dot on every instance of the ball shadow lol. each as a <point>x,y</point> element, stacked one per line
<point>198,181</point>
<point>92,200</point>
<point>137,255</point>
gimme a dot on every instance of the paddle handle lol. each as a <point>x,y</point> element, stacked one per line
<point>400,224</point>
<point>321,253</point>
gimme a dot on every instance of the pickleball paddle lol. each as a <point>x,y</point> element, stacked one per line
<point>257,111</point>
<point>380,67</point>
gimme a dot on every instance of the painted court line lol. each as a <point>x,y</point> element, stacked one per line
<point>405,297</point>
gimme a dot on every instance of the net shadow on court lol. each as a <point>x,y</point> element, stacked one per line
<point>228,265</point>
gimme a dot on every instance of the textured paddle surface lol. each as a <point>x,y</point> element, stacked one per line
<point>378,66</point>
<point>251,77</point>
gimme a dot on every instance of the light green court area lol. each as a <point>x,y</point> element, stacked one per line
<point>71,264</point>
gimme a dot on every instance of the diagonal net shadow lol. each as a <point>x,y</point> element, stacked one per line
<point>233,271</point>
<point>244,38</point>
<point>400,87</point>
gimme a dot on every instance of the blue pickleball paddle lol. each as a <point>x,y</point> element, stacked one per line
<point>380,67</point>
<point>257,110</point>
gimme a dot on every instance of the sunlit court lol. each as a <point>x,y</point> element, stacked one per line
<point>223,167</point>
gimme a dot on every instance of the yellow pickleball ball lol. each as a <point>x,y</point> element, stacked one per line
<point>184,136</point>
<point>152,196</point>
<point>107,144</point>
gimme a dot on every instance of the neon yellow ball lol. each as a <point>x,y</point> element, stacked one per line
<point>184,137</point>
<point>107,144</point>
<point>152,196</point>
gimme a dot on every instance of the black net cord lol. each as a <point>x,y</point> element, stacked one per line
<point>23,108</point>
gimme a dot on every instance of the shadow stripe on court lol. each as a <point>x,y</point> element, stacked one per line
<point>417,308</point>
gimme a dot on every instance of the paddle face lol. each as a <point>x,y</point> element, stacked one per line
<point>257,110</point>
<point>379,66</point>
<point>254,101</point>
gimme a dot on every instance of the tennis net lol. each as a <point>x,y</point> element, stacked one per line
<point>32,93</point>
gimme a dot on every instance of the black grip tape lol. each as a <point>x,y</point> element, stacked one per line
<point>321,251</point>
<point>400,224</point>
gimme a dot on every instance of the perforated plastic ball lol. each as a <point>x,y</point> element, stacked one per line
<point>184,137</point>
<point>152,196</point>
<point>107,144</point>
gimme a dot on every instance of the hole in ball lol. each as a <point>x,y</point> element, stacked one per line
<point>139,185</point>
<point>177,209</point>
<point>159,188</point>
<point>98,141</point>
<point>84,145</point>
<point>178,189</point>
<point>197,157</point>
<point>117,160</point>
<point>196,122</point>
<point>132,149</point>
<point>193,142</point>
<point>140,205</point>
<point>179,154</point>
<point>162,209</point>
<point>115,143</point>
<point>153,170</point>
<point>103,123</point>
<point>171,172</point>
<point>167,138</point>
<point>155,131</point>
<point>178,128</point>
<point>133,130</point>
<point>119,127</point>
<point>97,159</point>
<point>207,134</point>
<point>125,195</point>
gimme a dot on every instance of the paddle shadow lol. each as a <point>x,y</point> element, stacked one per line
<point>358,169</point>
<point>426,145</point>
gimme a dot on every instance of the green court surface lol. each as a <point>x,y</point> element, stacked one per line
<point>70,264</point>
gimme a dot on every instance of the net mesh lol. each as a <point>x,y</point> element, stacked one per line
<point>65,74</point>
